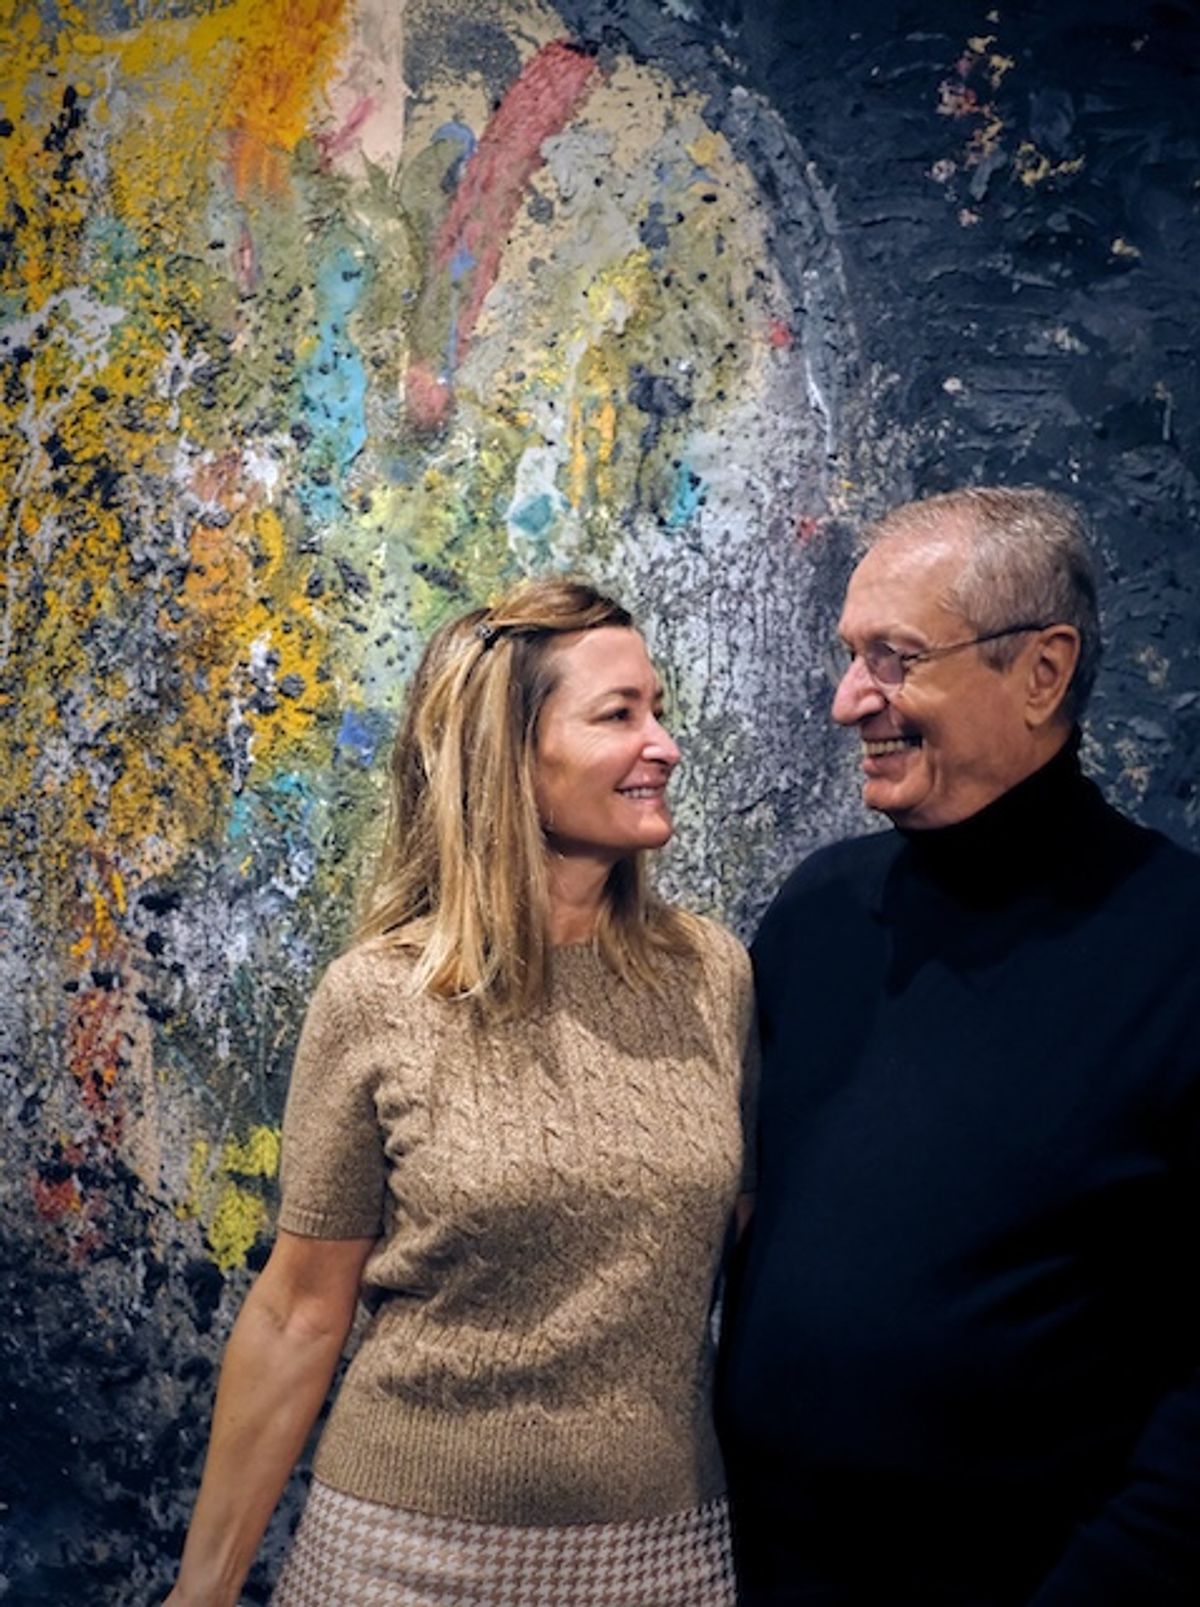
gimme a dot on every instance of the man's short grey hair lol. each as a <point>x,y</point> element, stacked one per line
<point>1028,557</point>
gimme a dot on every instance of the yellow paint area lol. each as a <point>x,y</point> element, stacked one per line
<point>98,931</point>
<point>621,296</point>
<point>999,67</point>
<point>237,1221</point>
<point>245,590</point>
<point>235,1216</point>
<point>251,69</point>
<point>256,1155</point>
<point>1033,167</point>
<point>708,149</point>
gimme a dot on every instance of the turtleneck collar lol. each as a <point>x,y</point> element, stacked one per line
<point>1035,834</point>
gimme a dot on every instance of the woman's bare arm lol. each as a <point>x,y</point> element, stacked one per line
<point>278,1364</point>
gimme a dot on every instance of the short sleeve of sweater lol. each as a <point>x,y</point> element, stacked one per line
<point>333,1165</point>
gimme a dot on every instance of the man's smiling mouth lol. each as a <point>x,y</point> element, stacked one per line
<point>876,750</point>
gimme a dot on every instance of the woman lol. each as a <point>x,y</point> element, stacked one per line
<point>514,1127</point>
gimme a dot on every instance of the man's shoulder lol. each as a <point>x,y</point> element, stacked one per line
<point>1154,864</point>
<point>848,860</point>
<point>849,869</point>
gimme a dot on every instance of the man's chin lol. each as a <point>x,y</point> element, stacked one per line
<point>885,798</point>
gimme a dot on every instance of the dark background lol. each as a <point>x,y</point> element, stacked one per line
<point>1022,256</point>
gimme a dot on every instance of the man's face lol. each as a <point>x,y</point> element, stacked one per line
<point>953,737</point>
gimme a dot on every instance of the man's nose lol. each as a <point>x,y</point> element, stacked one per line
<point>857,695</point>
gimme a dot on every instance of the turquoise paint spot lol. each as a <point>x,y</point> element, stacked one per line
<point>115,260</point>
<point>271,833</point>
<point>687,495</point>
<point>333,383</point>
<point>535,516</point>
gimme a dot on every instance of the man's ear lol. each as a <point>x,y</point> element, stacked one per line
<point>1051,666</point>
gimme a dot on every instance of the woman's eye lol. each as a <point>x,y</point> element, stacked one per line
<point>617,714</point>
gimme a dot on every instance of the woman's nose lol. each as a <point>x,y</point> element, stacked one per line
<point>660,744</point>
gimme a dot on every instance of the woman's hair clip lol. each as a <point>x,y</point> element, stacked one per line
<point>487,633</point>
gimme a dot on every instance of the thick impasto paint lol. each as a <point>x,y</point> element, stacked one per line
<point>322,319</point>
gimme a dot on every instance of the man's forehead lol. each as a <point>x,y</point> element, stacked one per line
<point>905,580</point>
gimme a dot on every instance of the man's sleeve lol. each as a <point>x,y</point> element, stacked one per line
<point>1143,1548</point>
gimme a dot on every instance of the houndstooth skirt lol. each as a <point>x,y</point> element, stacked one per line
<point>352,1553</point>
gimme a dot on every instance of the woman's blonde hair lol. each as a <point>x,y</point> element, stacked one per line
<point>462,877</point>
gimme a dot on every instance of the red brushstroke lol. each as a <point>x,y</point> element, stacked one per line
<point>102,1021</point>
<point>780,335</point>
<point>340,141</point>
<point>808,527</point>
<point>97,1051</point>
<point>245,262</point>
<point>61,1201</point>
<point>539,104</point>
<point>53,1201</point>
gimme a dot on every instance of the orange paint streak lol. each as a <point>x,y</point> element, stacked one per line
<point>98,1046</point>
<point>289,50</point>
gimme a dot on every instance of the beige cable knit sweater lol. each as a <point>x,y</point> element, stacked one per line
<point>551,1196</point>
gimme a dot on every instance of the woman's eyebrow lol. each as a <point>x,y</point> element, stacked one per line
<point>630,691</point>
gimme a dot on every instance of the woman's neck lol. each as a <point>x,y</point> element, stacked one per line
<point>576,887</point>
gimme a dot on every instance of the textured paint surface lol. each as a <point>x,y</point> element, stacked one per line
<point>320,319</point>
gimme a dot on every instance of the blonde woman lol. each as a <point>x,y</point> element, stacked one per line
<point>514,1130</point>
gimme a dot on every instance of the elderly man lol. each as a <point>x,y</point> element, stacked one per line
<point>962,1347</point>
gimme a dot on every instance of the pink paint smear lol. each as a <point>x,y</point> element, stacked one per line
<point>474,231</point>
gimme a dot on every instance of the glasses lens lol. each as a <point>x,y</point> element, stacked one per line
<point>884,664</point>
<point>837,660</point>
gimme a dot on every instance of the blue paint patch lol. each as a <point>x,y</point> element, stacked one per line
<point>461,264</point>
<point>333,382</point>
<point>458,133</point>
<point>359,735</point>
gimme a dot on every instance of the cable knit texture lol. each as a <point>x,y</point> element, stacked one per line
<point>551,1197</point>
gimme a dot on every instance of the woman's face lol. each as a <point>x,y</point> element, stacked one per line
<point>602,759</point>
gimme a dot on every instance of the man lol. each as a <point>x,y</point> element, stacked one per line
<point>962,1348</point>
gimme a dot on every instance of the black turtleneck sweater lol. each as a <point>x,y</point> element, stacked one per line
<point>962,1345</point>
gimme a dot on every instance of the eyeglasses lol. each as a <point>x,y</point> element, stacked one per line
<point>887,666</point>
